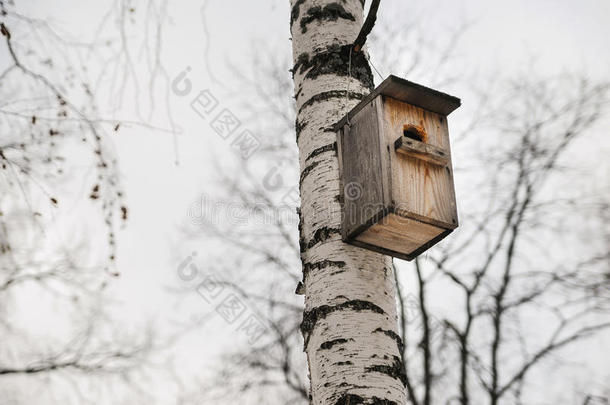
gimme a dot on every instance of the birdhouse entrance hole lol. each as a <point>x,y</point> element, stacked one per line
<point>414,132</point>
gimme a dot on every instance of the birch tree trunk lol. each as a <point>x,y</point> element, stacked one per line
<point>350,323</point>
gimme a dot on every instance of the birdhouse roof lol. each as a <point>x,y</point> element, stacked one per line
<point>410,93</point>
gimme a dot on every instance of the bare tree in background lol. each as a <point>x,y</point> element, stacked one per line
<point>56,135</point>
<point>526,273</point>
<point>534,249</point>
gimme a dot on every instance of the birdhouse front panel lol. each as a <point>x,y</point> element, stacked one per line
<point>421,165</point>
<point>394,150</point>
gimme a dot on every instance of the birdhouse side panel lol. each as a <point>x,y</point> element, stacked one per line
<point>362,182</point>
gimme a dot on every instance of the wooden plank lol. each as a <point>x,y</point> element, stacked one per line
<point>397,224</point>
<point>420,96</point>
<point>418,186</point>
<point>399,114</point>
<point>400,211</point>
<point>400,235</point>
<point>384,155</point>
<point>421,150</point>
<point>381,250</point>
<point>376,235</point>
<point>362,182</point>
<point>409,92</point>
<point>423,188</point>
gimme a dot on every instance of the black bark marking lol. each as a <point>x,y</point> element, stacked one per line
<point>335,60</point>
<point>353,399</point>
<point>321,235</point>
<point>302,61</point>
<point>300,227</point>
<point>330,12</point>
<point>350,399</point>
<point>394,336</point>
<point>311,317</point>
<point>298,93</point>
<point>322,149</point>
<point>330,343</point>
<point>307,267</point>
<point>294,13</point>
<point>300,289</point>
<point>299,127</point>
<point>327,95</point>
<point>394,370</point>
<point>307,170</point>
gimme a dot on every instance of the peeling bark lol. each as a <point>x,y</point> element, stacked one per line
<point>350,322</point>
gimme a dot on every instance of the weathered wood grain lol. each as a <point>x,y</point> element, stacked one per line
<point>399,234</point>
<point>360,165</point>
<point>417,185</point>
<point>421,151</point>
<point>409,92</point>
<point>398,155</point>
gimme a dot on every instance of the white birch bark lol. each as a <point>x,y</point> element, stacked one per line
<point>350,323</point>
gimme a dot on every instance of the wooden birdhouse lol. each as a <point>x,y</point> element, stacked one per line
<point>396,174</point>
